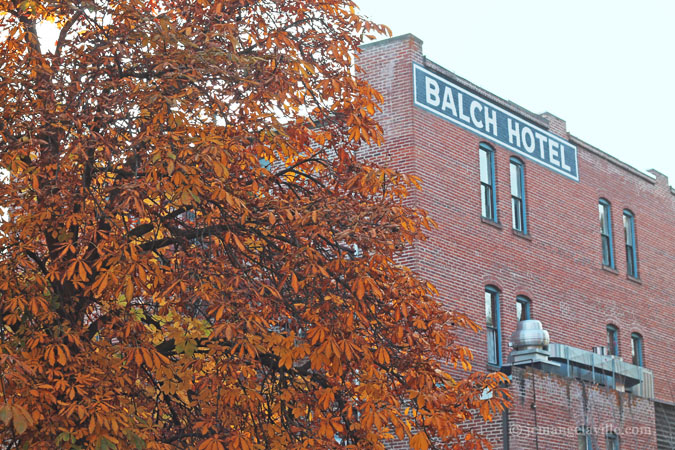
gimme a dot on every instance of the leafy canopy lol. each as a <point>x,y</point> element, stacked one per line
<point>191,255</point>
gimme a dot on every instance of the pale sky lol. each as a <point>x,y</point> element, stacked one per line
<point>606,67</point>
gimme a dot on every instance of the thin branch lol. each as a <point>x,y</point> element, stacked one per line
<point>37,260</point>
<point>64,32</point>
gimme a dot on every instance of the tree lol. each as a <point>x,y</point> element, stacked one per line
<point>192,256</point>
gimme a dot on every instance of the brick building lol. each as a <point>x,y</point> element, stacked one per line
<point>536,223</point>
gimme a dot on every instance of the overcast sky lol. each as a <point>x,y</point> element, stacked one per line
<point>606,67</point>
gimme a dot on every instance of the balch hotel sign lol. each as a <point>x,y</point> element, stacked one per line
<point>459,106</point>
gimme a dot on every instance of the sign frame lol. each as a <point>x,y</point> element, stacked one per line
<point>503,141</point>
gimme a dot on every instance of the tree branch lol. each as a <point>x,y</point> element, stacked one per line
<point>37,260</point>
<point>64,32</point>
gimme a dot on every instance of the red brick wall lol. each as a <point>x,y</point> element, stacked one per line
<point>559,264</point>
<point>562,405</point>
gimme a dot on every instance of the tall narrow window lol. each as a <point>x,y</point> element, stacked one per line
<point>493,325</point>
<point>606,233</point>
<point>487,182</point>
<point>629,233</point>
<point>518,196</point>
<point>636,349</point>
<point>612,441</point>
<point>523,308</point>
<point>584,439</point>
<point>612,340</point>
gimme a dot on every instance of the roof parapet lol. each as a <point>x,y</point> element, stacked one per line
<point>556,125</point>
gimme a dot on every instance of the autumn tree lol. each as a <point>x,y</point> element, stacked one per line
<point>192,255</point>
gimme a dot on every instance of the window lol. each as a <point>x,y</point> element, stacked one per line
<point>584,439</point>
<point>612,441</point>
<point>606,233</point>
<point>493,326</point>
<point>612,340</point>
<point>629,233</point>
<point>523,308</point>
<point>636,349</point>
<point>487,182</point>
<point>518,195</point>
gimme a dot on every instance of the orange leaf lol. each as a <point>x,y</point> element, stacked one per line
<point>360,289</point>
<point>294,283</point>
<point>50,356</point>
<point>420,441</point>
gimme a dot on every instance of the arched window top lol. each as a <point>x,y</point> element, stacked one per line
<point>636,350</point>
<point>629,235</point>
<point>612,339</point>
<point>517,181</point>
<point>492,288</point>
<point>612,441</point>
<point>605,214</point>
<point>486,157</point>
<point>487,147</point>
<point>523,308</point>
<point>493,330</point>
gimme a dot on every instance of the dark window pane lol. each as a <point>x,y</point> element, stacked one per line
<point>523,309</point>
<point>629,235</point>
<point>517,207</point>
<point>606,233</point>
<point>492,328</point>
<point>636,349</point>
<point>606,259</point>
<point>612,340</point>
<point>492,346</point>
<point>630,262</point>
<point>488,203</point>
<point>584,441</point>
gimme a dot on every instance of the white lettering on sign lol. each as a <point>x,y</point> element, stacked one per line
<point>475,106</point>
<point>456,104</point>
<point>528,140</point>
<point>541,139</point>
<point>553,153</point>
<point>460,102</point>
<point>514,132</point>
<point>449,102</point>
<point>432,92</point>
<point>491,121</point>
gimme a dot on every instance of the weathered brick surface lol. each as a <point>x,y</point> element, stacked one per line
<point>558,264</point>
<point>562,406</point>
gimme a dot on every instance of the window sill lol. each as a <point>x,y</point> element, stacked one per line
<point>610,269</point>
<point>522,235</point>
<point>491,222</point>
<point>634,279</point>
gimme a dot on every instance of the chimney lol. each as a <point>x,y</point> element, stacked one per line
<point>556,125</point>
